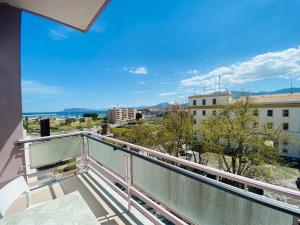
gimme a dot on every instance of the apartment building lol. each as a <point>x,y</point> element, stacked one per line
<point>122,115</point>
<point>277,110</point>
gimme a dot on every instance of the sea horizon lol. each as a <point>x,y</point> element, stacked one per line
<point>60,113</point>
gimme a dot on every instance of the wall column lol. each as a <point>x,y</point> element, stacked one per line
<point>11,127</point>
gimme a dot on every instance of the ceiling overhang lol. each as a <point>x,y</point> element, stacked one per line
<point>78,14</point>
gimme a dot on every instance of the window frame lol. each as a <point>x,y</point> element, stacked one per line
<point>214,101</point>
<point>270,125</point>
<point>283,113</point>
<point>270,110</point>
<point>287,125</point>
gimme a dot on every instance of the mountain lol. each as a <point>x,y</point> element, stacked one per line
<point>158,106</point>
<point>238,94</point>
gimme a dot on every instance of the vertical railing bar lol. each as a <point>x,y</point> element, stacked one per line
<point>128,176</point>
<point>296,220</point>
<point>85,151</point>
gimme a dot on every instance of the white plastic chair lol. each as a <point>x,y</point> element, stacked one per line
<point>11,191</point>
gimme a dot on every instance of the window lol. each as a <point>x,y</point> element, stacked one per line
<point>194,112</point>
<point>203,113</point>
<point>194,102</point>
<point>255,124</point>
<point>270,125</point>
<point>214,101</point>
<point>270,112</point>
<point>214,112</point>
<point>285,126</point>
<point>255,112</point>
<point>203,101</point>
<point>285,150</point>
<point>195,121</point>
<point>284,142</point>
<point>285,113</point>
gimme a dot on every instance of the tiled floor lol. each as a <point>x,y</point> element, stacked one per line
<point>108,207</point>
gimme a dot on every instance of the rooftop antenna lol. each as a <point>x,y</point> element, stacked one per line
<point>291,88</point>
<point>215,86</point>
<point>219,84</point>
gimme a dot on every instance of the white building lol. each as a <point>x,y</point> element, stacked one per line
<point>278,110</point>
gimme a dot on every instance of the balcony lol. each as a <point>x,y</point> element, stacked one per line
<point>124,183</point>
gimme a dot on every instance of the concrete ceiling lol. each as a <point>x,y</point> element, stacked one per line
<point>79,14</point>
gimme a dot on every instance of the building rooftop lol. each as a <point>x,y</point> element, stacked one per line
<point>277,98</point>
<point>225,93</point>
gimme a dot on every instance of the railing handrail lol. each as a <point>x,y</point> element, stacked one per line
<point>262,200</point>
<point>244,180</point>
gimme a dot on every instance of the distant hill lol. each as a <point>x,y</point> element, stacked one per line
<point>238,94</point>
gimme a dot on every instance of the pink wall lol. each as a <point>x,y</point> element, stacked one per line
<point>11,127</point>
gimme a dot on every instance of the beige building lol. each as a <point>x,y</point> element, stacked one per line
<point>277,110</point>
<point>122,115</point>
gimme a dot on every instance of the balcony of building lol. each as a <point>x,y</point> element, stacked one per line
<point>124,183</point>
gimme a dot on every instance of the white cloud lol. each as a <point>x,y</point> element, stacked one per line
<point>60,33</point>
<point>31,87</point>
<point>137,70</point>
<point>282,64</point>
<point>168,93</point>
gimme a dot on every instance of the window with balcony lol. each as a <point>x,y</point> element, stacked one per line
<point>194,112</point>
<point>203,113</point>
<point>214,101</point>
<point>270,112</point>
<point>285,113</point>
<point>285,126</point>
<point>270,125</point>
<point>203,101</point>
<point>194,102</point>
<point>284,142</point>
<point>255,112</point>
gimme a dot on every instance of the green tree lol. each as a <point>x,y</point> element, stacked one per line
<point>94,116</point>
<point>177,132</point>
<point>243,146</point>
<point>143,134</point>
<point>138,116</point>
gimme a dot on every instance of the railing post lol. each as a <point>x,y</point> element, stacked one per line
<point>128,176</point>
<point>296,220</point>
<point>85,146</point>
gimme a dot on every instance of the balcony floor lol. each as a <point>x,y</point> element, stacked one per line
<point>108,207</point>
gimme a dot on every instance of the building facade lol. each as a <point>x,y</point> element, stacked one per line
<point>276,111</point>
<point>122,115</point>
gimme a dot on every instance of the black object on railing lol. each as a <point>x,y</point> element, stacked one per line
<point>45,127</point>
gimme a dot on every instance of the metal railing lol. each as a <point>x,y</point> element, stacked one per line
<point>94,160</point>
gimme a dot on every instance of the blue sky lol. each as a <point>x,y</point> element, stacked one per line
<point>143,52</point>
